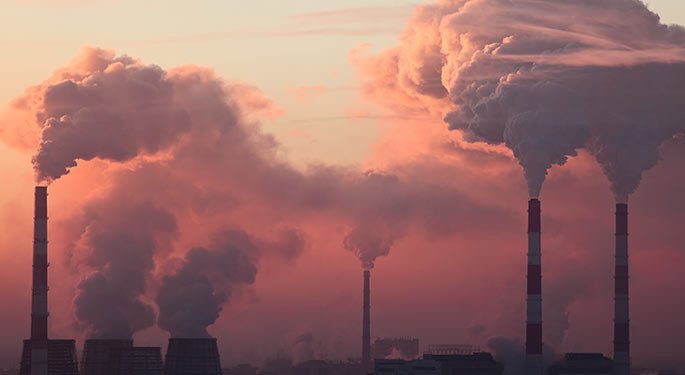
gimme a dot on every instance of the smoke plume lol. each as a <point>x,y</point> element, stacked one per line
<point>546,78</point>
<point>120,250</point>
<point>172,156</point>
<point>191,299</point>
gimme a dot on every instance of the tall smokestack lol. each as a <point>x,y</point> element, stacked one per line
<point>39,303</point>
<point>534,301</point>
<point>621,321</point>
<point>366,329</point>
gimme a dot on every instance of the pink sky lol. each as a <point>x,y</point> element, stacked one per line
<point>351,145</point>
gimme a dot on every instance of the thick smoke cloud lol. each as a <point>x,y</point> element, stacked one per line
<point>120,250</point>
<point>185,144</point>
<point>191,299</point>
<point>114,109</point>
<point>545,78</point>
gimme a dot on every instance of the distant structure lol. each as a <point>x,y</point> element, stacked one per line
<point>478,363</point>
<point>621,314</point>
<point>404,367</point>
<point>192,357</point>
<point>366,325</point>
<point>534,364</point>
<point>451,349</point>
<point>61,358</point>
<point>407,347</point>
<point>320,367</point>
<point>582,364</point>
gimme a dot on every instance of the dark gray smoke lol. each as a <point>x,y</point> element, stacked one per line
<point>546,78</point>
<point>191,299</point>
<point>121,239</point>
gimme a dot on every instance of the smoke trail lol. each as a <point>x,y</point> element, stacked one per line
<point>191,299</point>
<point>546,78</point>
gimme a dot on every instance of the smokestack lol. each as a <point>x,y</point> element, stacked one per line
<point>621,321</point>
<point>39,303</point>
<point>366,329</point>
<point>534,301</point>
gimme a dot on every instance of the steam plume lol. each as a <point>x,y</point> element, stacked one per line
<point>547,78</point>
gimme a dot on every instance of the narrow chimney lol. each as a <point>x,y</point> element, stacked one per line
<point>534,364</point>
<point>366,329</point>
<point>39,304</point>
<point>621,320</point>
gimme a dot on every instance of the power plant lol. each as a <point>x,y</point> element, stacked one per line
<point>43,356</point>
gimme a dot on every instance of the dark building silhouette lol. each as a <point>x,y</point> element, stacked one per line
<point>192,357</point>
<point>137,360</point>
<point>61,358</point>
<point>406,347</point>
<point>582,363</point>
<point>481,363</point>
<point>97,355</point>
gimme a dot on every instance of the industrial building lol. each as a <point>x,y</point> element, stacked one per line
<point>582,364</point>
<point>62,358</point>
<point>406,347</point>
<point>479,363</point>
<point>192,357</point>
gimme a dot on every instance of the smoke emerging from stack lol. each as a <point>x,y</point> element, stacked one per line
<point>161,150</point>
<point>551,77</point>
<point>191,299</point>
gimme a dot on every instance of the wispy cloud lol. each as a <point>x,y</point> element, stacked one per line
<point>357,14</point>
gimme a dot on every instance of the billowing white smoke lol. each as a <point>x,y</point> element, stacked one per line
<point>549,77</point>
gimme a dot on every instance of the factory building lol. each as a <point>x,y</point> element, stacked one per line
<point>582,364</point>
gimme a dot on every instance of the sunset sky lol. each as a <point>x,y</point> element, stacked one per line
<point>355,152</point>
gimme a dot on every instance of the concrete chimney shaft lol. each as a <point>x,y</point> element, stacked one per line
<point>39,303</point>
<point>621,314</point>
<point>366,329</point>
<point>534,364</point>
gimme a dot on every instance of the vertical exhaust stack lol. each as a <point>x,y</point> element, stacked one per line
<point>39,303</point>
<point>534,364</point>
<point>621,317</point>
<point>366,329</point>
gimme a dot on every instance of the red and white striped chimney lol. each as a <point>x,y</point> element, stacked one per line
<point>366,326</point>
<point>621,317</point>
<point>39,304</point>
<point>534,364</point>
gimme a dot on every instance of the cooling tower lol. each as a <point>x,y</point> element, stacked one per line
<point>192,357</point>
<point>137,360</point>
<point>39,301</point>
<point>621,315</point>
<point>534,365</point>
<point>61,358</point>
<point>366,325</point>
<point>97,355</point>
